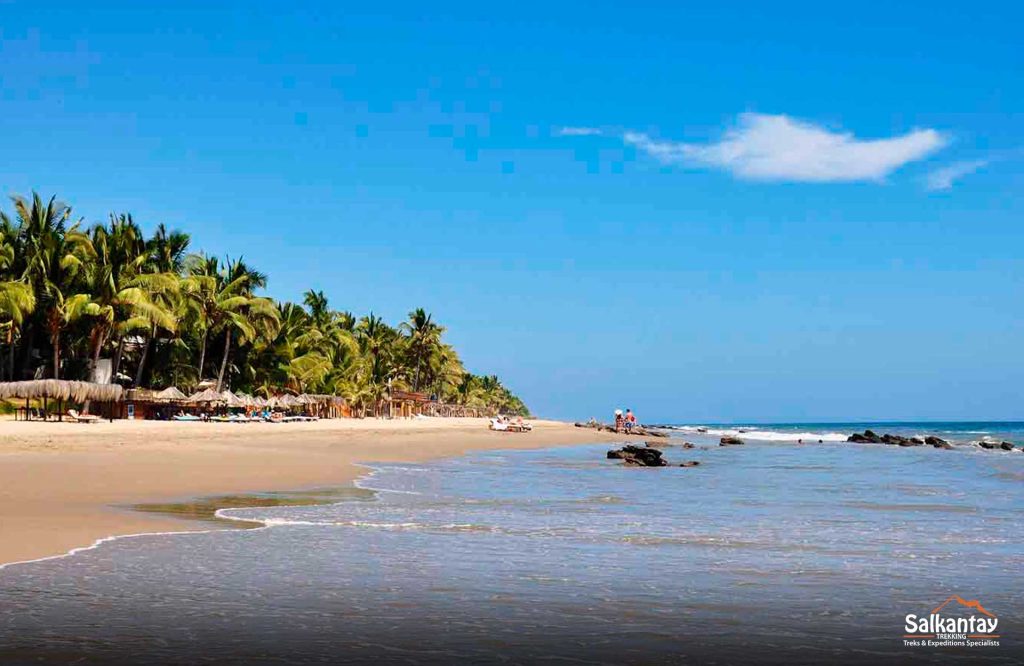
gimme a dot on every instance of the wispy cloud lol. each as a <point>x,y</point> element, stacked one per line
<point>780,148</point>
<point>944,177</point>
<point>578,131</point>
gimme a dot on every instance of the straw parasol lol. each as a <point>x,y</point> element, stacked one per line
<point>208,396</point>
<point>231,399</point>
<point>62,389</point>
<point>288,400</point>
<point>171,394</point>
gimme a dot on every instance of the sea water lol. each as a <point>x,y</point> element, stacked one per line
<point>771,552</point>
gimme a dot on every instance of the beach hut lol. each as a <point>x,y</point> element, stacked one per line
<point>141,403</point>
<point>61,390</point>
<point>406,404</point>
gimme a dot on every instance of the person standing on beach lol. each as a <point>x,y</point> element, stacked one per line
<point>618,420</point>
<point>630,420</point>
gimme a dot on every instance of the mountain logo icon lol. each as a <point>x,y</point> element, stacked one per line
<point>973,604</point>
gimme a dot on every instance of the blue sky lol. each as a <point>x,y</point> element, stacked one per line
<point>733,212</point>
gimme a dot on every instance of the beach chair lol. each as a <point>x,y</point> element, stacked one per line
<point>82,418</point>
<point>495,424</point>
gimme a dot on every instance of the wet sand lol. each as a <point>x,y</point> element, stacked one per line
<point>65,485</point>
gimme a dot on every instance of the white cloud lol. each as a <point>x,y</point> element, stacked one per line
<point>578,131</point>
<point>944,177</point>
<point>780,148</point>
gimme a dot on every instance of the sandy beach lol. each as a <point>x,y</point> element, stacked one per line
<point>64,485</point>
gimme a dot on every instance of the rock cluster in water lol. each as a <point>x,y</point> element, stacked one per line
<point>643,456</point>
<point>730,441</point>
<point>637,430</point>
<point>986,444</point>
<point>870,437</point>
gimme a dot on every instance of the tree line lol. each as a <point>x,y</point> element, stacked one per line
<point>72,294</point>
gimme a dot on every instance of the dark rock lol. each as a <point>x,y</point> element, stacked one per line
<point>689,463</point>
<point>638,456</point>
<point>931,440</point>
<point>988,445</point>
<point>687,445</point>
<point>868,437</point>
<point>644,432</point>
<point>916,441</point>
<point>730,441</point>
<point>1006,446</point>
<point>942,444</point>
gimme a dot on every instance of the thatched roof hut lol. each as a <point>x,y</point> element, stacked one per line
<point>207,396</point>
<point>62,389</point>
<point>171,394</point>
<point>326,399</point>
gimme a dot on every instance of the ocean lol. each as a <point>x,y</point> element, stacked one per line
<point>771,552</point>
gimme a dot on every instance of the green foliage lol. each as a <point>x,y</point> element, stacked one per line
<point>69,296</point>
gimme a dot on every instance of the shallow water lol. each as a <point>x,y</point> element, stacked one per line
<point>771,552</point>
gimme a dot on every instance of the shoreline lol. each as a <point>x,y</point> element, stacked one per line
<point>65,487</point>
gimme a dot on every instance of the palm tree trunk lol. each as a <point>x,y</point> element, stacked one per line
<point>202,355</point>
<point>28,338</point>
<point>118,355</point>
<point>55,342</point>
<point>101,338</point>
<point>10,354</point>
<point>145,353</point>
<point>224,361</point>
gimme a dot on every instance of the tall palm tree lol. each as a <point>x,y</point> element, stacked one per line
<point>167,251</point>
<point>17,300</point>
<point>55,260</point>
<point>319,311</point>
<point>120,291</point>
<point>254,315</point>
<point>376,341</point>
<point>213,299</point>
<point>424,338</point>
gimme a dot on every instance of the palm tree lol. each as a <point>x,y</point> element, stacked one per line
<point>319,312</point>
<point>167,252</point>
<point>55,258</point>
<point>253,315</point>
<point>424,337</point>
<point>120,291</point>
<point>17,300</point>
<point>375,340</point>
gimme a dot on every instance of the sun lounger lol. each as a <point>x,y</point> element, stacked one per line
<point>185,417</point>
<point>500,426</point>
<point>82,418</point>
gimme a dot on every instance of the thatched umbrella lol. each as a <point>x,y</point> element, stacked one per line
<point>171,394</point>
<point>60,390</point>
<point>207,396</point>
<point>288,400</point>
<point>232,400</point>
